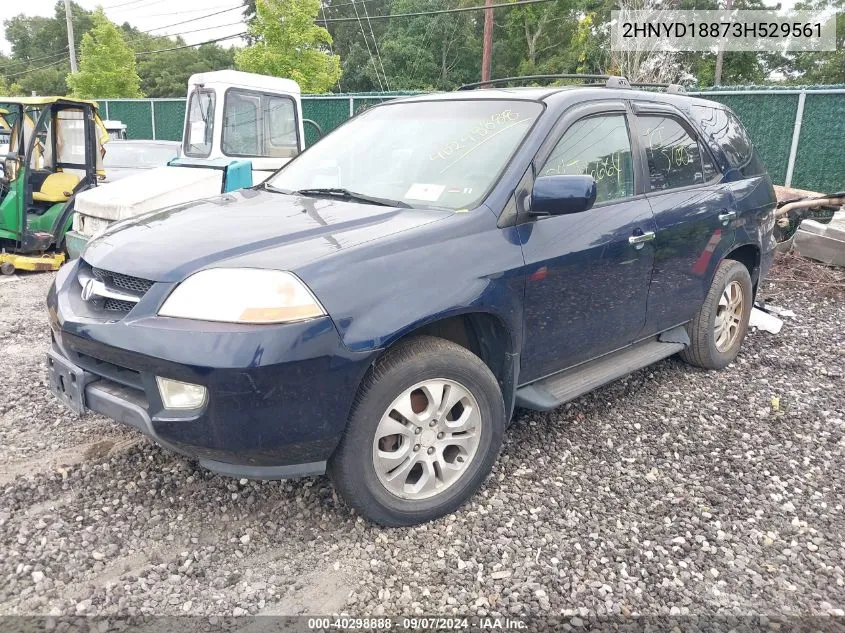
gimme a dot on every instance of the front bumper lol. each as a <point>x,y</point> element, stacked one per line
<point>278,396</point>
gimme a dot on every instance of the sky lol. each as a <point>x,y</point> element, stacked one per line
<point>150,14</point>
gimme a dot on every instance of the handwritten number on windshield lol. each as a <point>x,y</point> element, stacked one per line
<point>479,133</point>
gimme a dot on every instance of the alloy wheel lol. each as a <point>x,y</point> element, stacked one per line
<point>727,328</point>
<point>426,439</point>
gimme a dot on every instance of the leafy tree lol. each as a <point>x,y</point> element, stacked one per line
<point>45,82</point>
<point>107,64</point>
<point>427,52</point>
<point>166,74</point>
<point>826,67</point>
<point>289,44</point>
<point>37,38</point>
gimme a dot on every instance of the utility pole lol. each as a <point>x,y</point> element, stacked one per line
<point>487,51</point>
<point>69,18</point>
<point>717,75</point>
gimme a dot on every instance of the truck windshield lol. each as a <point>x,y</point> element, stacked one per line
<point>199,124</point>
<point>444,154</point>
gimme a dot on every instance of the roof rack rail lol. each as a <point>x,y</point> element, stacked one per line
<point>610,81</point>
<point>670,88</point>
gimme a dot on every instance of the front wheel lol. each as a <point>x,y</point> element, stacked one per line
<point>424,432</point>
<point>719,327</point>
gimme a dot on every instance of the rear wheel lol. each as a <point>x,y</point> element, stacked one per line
<point>719,327</point>
<point>424,432</point>
<point>7,268</point>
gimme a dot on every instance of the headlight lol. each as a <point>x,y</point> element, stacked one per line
<point>242,295</point>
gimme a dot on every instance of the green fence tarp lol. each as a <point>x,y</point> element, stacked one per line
<point>169,117</point>
<point>820,163</point>
<point>769,118</point>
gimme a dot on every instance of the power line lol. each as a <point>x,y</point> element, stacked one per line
<point>437,12</point>
<point>375,43</point>
<point>170,13</point>
<point>32,70</point>
<point>141,7</point>
<point>346,4</point>
<point>122,4</point>
<point>207,28</point>
<point>364,35</point>
<point>62,53</point>
<point>178,48</point>
<point>240,6</point>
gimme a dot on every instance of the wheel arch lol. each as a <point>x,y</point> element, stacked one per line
<point>484,334</point>
<point>749,256</point>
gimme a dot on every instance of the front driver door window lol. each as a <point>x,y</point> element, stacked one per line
<point>587,286</point>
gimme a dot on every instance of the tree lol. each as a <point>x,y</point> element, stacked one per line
<point>289,44</point>
<point>824,67</point>
<point>106,65</point>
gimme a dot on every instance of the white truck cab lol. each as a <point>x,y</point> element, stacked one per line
<point>236,115</point>
<point>239,128</point>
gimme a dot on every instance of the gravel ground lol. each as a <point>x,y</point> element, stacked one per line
<point>675,491</point>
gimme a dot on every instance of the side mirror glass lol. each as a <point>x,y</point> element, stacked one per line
<point>562,195</point>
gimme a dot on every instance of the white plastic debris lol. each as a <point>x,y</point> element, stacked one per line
<point>765,321</point>
<point>780,312</point>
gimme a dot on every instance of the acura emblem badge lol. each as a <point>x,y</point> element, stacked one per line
<point>88,289</point>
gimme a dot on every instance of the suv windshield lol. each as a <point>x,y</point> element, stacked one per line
<point>432,153</point>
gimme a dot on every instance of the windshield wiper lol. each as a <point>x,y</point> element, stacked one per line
<point>337,192</point>
<point>267,186</point>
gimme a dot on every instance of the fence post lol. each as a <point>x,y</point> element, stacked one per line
<point>153,117</point>
<point>796,134</point>
<point>351,107</point>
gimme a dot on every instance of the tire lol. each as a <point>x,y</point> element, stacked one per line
<point>705,350</point>
<point>361,475</point>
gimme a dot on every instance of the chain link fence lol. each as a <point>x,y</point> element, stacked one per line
<point>799,132</point>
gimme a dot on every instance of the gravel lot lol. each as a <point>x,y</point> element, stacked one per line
<point>673,491</point>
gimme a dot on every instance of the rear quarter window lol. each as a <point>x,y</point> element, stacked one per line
<point>723,128</point>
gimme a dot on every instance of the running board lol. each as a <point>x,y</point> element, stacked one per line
<point>551,392</point>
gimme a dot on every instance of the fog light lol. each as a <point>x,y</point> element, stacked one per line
<point>176,394</point>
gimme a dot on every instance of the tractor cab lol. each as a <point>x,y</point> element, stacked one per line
<point>54,152</point>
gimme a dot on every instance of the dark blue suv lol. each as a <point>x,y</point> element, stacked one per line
<point>379,307</point>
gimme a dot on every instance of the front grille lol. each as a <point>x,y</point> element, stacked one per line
<point>127,282</point>
<point>116,305</point>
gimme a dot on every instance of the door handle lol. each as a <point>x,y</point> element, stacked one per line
<point>638,241</point>
<point>725,218</point>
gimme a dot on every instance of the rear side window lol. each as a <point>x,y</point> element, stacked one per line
<point>674,156</point>
<point>724,128</point>
<point>600,147</point>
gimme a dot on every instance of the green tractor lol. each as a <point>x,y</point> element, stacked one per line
<point>55,151</point>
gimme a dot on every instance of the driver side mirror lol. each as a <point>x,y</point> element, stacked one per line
<point>562,195</point>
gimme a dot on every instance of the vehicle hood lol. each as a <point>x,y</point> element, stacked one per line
<point>114,174</point>
<point>148,190</point>
<point>250,228</point>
